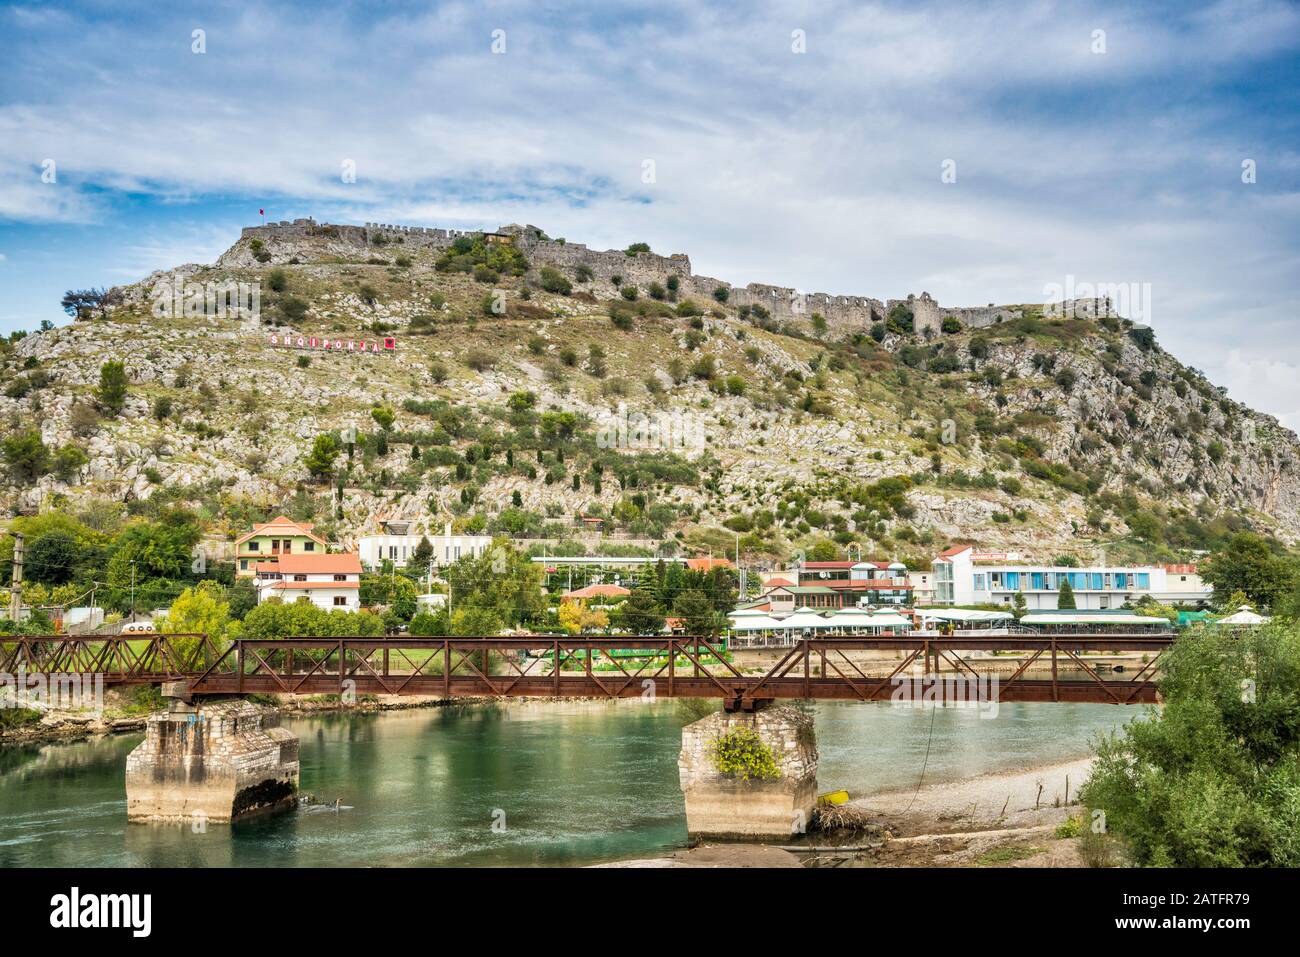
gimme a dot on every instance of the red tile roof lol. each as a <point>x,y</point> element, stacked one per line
<point>598,591</point>
<point>319,564</point>
<point>706,564</point>
<point>1181,569</point>
<point>281,525</point>
<point>954,550</point>
<point>778,583</point>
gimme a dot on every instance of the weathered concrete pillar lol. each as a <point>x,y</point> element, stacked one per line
<point>726,806</point>
<point>216,762</point>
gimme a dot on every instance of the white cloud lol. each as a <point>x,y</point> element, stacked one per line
<point>818,170</point>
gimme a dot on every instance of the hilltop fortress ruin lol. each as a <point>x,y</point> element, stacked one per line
<point>843,314</point>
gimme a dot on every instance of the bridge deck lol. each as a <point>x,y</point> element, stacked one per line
<point>601,667</point>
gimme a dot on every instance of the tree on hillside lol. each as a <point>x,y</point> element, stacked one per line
<point>112,387</point>
<point>320,460</point>
<point>84,303</point>
<point>1065,597</point>
<point>25,455</point>
<point>823,551</point>
<point>1213,778</point>
<point>52,558</point>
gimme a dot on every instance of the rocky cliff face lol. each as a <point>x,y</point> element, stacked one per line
<point>518,409</point>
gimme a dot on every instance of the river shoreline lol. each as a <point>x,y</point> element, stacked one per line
<point>1001,818</point>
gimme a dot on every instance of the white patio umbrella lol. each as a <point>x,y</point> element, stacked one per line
<point>1245,615</point>
<point>889,619</point>
<point>851,617</point>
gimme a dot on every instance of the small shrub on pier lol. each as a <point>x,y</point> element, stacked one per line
<point>742,754</point>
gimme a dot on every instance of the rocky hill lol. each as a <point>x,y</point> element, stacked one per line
<point>513,382</point>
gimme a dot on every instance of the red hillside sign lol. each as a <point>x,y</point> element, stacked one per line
<point>387,344</point>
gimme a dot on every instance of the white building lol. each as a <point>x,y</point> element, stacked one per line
<point>328,581</point>
<point>1182,584</point>
<point>922,583</point>
<point>963,576</point>
<point>397,542</point>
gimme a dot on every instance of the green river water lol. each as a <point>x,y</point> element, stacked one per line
<point>573,783</point>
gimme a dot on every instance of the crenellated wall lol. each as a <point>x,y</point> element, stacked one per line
<point>843,314</point>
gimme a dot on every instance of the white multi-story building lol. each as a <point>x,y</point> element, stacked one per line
<point>397,542</point>
<point>963,576</point>
<point>328,581</point>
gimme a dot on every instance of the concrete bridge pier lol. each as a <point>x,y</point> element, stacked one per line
<point>214,762</point>
<point>729,806</point>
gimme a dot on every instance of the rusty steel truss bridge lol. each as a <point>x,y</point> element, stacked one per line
<point>546,666</point>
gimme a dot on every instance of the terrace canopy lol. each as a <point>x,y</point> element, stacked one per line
<point>753,621</point>
<point>1069,618</point>
<point>965,616</point>
<point>888,619</point>
<point>805,618</point>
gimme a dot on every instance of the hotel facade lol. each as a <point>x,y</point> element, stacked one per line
<point>963,576</point>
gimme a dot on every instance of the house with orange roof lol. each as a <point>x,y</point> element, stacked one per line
<point>596,592</point>
<point>270,540</point>
<point>707,564</point>
<point>330,582</point>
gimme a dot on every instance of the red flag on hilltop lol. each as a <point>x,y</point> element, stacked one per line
<point>261,212</point>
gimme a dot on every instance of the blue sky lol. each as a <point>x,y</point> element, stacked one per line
<point>820,170</point>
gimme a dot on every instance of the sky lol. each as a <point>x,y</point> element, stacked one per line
<point>984,153</point>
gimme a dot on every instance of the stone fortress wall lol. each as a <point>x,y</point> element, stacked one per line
<point>843,314</point>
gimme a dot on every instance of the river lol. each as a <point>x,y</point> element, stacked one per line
<point>520,783</point>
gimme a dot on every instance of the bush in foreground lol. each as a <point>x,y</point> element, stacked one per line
<point>1214,779</point>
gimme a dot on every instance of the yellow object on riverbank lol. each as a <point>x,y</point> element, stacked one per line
<point>833,797</point>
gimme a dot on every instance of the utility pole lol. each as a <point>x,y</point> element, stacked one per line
<point>740,572</point>
<point>133,589</point>
<point>16,582</point>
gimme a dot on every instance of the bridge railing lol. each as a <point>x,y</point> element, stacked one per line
<point>139,658</point>
<point>601,667</point>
